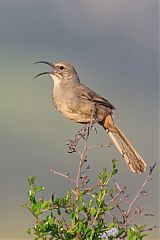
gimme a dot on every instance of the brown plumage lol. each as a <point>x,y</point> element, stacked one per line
<point>128,152</point>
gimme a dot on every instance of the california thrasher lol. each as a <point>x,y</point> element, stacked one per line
<point>78,103</point>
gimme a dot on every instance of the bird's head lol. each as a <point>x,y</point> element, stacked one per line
<point>61,72</point>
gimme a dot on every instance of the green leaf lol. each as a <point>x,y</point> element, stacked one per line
<point>44,205</point>
<point>131,233</point>
<point>25,205</point>
<point>80,226</point>
<point>93,211</point>
<point>59,211</point>
<point>39,189</point>
<point>34,207</point>
<point>50,220</point>
<point>87,231</point>
<point>67,196</point>
<point>111,225</point>
<point>31,180</point>
<point>92,233</point>
<point>91,202</point>
<point>29,231</point>
<point>31,195</point>
<point>110,208</point>
<point>38,212</point>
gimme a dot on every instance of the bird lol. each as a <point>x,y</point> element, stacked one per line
<point>82,105</point>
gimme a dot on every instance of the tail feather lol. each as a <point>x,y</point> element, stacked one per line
<point>128,152</point>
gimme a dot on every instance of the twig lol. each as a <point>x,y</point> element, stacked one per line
<point>140,190</point>
<point>82,156</point>
<point>62,174</point>
<point>137,212</point>
<point>117,186</point>
<point>101,145</point>
<point>122,212</point>
<point>149,229</point>
<point>116,196</point>
<point>128,216</point>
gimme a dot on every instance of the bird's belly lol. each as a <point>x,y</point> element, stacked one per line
<point>79,118</point>
<point>78,112</point>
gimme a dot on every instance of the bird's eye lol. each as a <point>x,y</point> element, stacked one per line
<point>61,67</point>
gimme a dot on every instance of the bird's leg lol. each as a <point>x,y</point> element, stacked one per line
<point>90,125</point>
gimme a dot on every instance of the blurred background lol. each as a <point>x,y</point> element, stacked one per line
<point>114,48</point>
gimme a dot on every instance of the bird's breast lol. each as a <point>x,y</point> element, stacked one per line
<point>72,106</point>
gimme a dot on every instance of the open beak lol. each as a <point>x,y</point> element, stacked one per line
<point>48,63</point>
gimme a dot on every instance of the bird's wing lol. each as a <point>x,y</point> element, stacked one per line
<point>86,93</point>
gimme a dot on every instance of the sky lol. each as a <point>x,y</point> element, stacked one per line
<point>114,47</point>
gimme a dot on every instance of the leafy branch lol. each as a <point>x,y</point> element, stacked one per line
<point>102,210</point>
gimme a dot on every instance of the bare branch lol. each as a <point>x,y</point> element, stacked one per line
<point>151,169</point>
<point>62,174</point>
<point>101,145</point>
<point>141,189</point>
<point>83,156</point>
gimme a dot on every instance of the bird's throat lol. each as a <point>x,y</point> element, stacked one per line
<point>57,79</point>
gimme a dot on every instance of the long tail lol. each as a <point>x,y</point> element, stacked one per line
<point>128,152</point>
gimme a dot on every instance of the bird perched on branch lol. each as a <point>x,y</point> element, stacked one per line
<point>80,104</point>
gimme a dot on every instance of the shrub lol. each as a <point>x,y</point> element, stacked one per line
<point>101,211</point>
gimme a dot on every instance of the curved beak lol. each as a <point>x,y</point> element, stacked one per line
<point>45,62</point>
